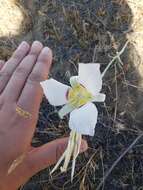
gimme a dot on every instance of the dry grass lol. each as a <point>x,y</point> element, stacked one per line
<point>14,23</point>
<point>137,34</point>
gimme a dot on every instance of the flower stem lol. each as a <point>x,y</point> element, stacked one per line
<point>114,58</point>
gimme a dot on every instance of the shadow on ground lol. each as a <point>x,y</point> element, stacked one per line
<point>88,31</point>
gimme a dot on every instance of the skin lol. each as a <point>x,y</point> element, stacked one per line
<point>20,86</point>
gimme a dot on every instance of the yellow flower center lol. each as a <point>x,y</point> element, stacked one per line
<point>78,96</point>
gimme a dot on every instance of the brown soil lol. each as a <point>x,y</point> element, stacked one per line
<point>88,31</point>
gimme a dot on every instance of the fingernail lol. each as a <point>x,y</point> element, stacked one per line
<point>36,48</point>
<point>84,146</point>
<point>45,51</point>
<point>37,44</point>
<point>23,44</point>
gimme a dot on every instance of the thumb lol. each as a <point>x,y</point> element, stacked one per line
<point>38,159</point>
<point>48,154</point>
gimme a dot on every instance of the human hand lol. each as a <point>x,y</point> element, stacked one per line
<point>20,89</point>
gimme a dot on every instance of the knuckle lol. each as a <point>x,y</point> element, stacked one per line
<point>43,59</point>
<point>35,77</point>
<point>17,55</point>
<point>21,71</point>
<point>4,74</point>
<point>33,53</point>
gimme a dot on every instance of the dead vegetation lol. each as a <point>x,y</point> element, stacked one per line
<point>92,31</point>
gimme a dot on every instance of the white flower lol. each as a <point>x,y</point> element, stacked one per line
<point>77,99</point>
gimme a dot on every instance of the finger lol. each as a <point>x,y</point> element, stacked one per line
<point>19,77</point>
<point>10,66</point>
<point>38,159</point>
<point>32,88</point>
<point>1,64</point>
<point>49,154</point>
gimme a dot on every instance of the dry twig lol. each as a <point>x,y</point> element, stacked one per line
<point>114,58</point>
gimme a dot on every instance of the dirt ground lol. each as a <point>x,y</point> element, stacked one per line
<point>88,31</point>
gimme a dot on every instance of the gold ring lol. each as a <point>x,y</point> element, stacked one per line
<point>23,113</point>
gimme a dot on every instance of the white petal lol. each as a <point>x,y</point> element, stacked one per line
<point>84,119</point>
<point>55,92</point>
<point>90,77</point>
<point>99,98</point>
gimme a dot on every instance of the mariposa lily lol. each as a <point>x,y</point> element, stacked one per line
<point>77,100</point>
